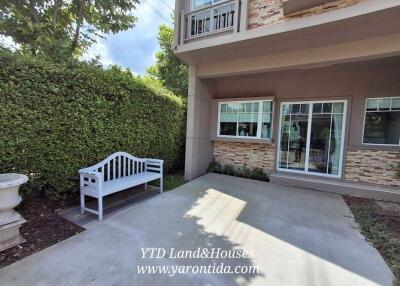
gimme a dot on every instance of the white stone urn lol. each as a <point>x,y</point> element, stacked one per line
<point>10,220</point>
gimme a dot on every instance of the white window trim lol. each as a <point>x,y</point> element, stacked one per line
<point>202,6</point>
<point>310,112</point>
<point>259,123</point>
<point>365,117</point>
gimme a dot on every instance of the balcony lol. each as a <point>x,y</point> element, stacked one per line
<point>217,18</point>
<point>239,35</point>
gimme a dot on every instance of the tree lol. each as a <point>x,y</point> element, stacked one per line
<point>63,28</point>
<point>169,69</point>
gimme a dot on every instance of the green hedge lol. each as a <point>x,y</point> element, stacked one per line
<point>55,119</point>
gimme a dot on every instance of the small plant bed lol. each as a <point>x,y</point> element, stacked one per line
<point>380,224</point>
<point>43,228</point>
<point>243,172</point>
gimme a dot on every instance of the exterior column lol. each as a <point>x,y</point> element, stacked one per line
<point>244,12</point>
<point>199,148</point>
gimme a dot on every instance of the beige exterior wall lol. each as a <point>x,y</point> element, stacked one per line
<point>372,166</point>
<point>267,12</point>
<point>352,82</point>
<point>250,155</point>
<point>344,49</point>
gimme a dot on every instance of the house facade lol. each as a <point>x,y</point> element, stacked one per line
<point>307,90</point>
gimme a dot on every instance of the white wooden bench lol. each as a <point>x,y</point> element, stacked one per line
<point>117,172</point>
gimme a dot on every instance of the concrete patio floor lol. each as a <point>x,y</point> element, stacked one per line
<point>297,236</point>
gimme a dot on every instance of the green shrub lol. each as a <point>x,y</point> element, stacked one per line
<point>214,167</point>
<point>244,172</point>
<point>396,168</point>
<point>55,119</point>
<point>259,174</point>
<point>229,170</point>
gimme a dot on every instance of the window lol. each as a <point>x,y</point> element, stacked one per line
<point>198,4</point>
<point>382,121</point>
<point>245,119</point>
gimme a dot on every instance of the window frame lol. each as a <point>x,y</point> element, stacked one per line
<point>259,119</point>
<point>365,117</point>
<point>343,137</point>
<point>203,6</point>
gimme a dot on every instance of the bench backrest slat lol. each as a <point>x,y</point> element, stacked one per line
<point>113,163</point>
<point>123,162</point>
<point>125,174</point>
<point>108,171</point>
<point>120,165</point>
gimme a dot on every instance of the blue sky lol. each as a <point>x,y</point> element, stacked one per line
<point>135,48</point>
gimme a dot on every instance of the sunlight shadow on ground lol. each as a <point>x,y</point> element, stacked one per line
<point>297,237</point>
<point>217,213</point>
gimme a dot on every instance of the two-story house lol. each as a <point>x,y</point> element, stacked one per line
<point>308,90</point>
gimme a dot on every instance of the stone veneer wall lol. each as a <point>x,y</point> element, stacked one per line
<point>372,166</point>
<point>265,12</point>
<point>251,155</point>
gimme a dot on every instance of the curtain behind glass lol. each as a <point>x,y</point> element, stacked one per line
<point>335,144</point>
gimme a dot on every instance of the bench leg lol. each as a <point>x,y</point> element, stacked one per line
<point>100,199</point>
<point>161,184</point>
<point>145,186</point>
<point>82,203</point>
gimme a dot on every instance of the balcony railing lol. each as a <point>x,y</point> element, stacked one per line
<point>212,19</point>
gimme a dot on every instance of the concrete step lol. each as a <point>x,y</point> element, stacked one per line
<point>338,186</point>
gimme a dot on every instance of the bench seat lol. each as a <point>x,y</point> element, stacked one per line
<point>114,186</point>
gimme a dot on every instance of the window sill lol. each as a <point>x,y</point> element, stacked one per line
<point>243,140</point>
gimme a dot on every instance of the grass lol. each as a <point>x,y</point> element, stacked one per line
<point>377,227</point>
<point>172,181</point>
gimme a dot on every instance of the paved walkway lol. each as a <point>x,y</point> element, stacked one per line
<point>294,236</point>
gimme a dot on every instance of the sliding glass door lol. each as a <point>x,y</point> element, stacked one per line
<point>311,137</point>
<point>294,134</point>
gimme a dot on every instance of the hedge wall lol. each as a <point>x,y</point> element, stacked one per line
<point>55,119</point>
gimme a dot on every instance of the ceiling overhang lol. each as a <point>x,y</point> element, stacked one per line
<point>280,38</point>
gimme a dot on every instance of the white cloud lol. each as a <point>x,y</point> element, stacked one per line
<point>135,48</point>
<point>99,49</point>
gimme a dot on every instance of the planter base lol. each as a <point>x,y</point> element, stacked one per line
<point>9,234</point>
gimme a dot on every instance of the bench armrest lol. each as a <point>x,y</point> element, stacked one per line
<point>90,173</point>
<point>91,179</point>
<point>153,161</point>
<point>154,165</point>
